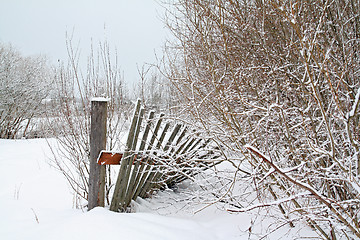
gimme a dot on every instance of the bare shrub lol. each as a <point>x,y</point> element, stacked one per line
<point>277,84</point>
<point>71,125</point>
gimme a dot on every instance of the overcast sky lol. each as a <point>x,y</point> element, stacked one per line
<point>134,27</point>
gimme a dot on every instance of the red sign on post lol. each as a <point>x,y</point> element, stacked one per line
<point>109,158</point>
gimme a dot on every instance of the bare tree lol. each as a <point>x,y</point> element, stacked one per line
<point>278,82</point>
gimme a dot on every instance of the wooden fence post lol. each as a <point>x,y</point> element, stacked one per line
<point>97,143</point>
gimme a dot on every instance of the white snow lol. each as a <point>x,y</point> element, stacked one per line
<point>36,203</point>
<point>355,105</point>
<point>100,99</point>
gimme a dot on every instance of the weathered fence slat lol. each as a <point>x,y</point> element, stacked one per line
<point>154,174</point>
<point>124,165</point>
<point>158,180</point>
<point>172,137</point>
<point>149,165</point>
<point>130,170</point>
<point>132,183</point>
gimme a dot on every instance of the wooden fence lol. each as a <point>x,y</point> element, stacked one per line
<point>159,152</point>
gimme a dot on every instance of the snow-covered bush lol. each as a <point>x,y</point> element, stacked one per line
<point>24,84</point>
<point>277,84</point>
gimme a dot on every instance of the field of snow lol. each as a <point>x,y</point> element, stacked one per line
<point>36,203</point>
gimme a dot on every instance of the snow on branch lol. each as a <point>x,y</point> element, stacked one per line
<point>355,105</point>
<point>322,199</point>
<point>274,203</point>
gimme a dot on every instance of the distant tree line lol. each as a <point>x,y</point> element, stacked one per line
<point>34,92</point>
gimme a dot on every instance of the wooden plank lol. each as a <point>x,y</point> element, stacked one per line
<point>97,144</point>
<point>162,136</point>
<point>146,174</point>
<point>129,183</point>
<point>138,168</point>
<point>172,137</point>
<point>158,180</point>
<point>154,175</point>
<point>121,181</point>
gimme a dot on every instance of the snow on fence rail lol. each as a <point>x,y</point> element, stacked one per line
<point>158,153</point>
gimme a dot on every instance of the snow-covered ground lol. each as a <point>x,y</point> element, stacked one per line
<point>36,203</point>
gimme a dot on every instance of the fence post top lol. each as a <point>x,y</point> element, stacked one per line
<point>100,99</point>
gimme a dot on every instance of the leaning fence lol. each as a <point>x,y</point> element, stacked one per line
<point>159,153</point>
